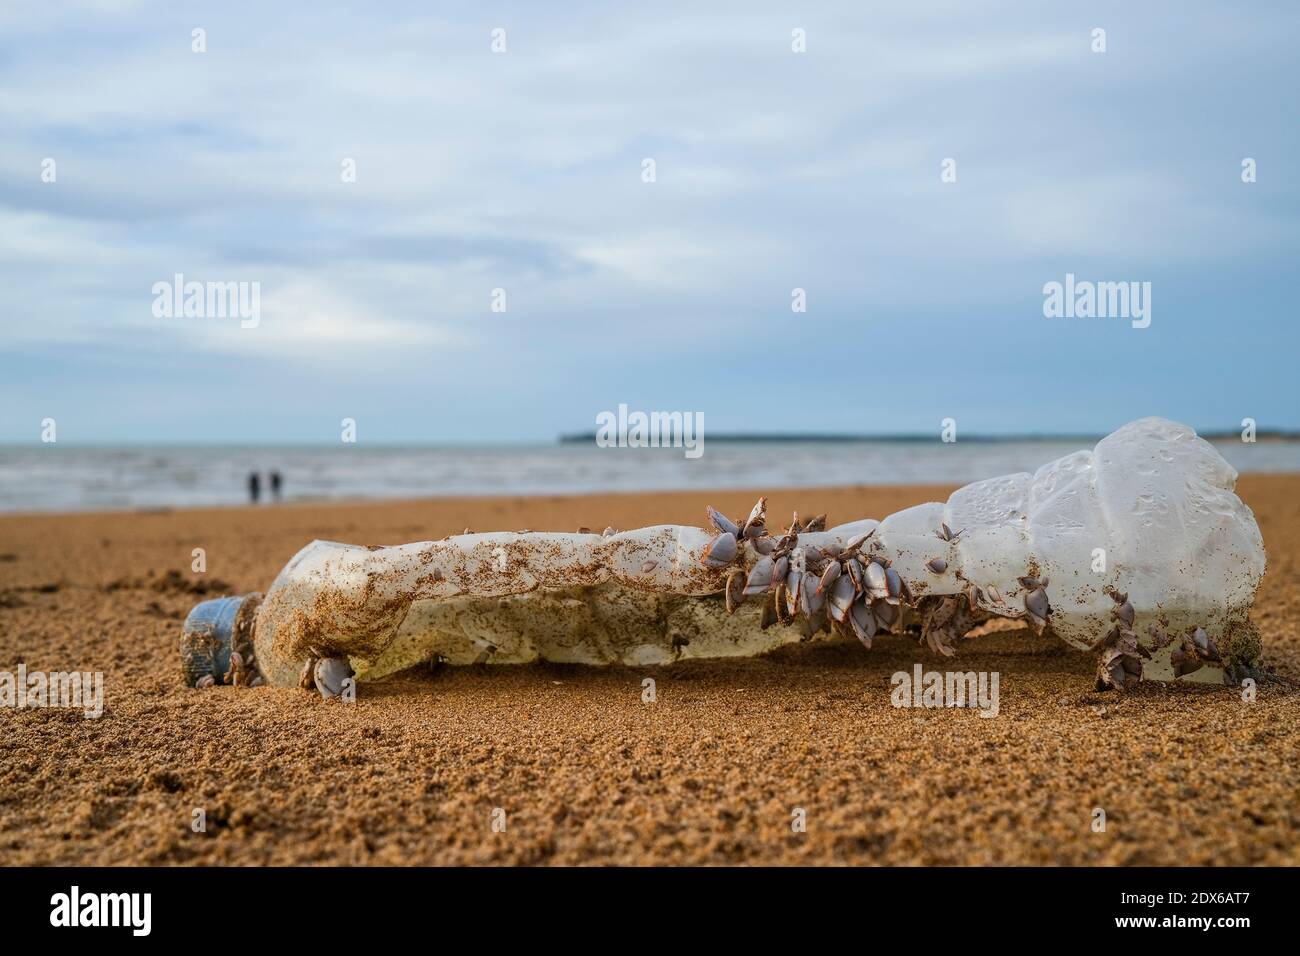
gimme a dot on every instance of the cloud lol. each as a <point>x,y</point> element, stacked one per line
<point>522,171</point>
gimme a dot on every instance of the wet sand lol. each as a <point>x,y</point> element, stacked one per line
<point>585,772</point>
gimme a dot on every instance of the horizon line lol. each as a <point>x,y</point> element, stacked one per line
<point>579,438</point>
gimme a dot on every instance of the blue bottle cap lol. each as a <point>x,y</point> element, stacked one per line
<point>209,635</point>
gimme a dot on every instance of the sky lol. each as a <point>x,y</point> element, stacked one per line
<point>525,170</point>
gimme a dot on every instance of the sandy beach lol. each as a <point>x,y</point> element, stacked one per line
<point>710,773</point>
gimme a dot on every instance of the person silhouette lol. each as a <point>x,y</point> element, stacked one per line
<point>254,486</point>
<point>276,482</point>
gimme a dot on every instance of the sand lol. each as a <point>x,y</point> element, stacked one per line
<point>711,772</point>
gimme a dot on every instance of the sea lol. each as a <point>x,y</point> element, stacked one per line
<point>59,477</point>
